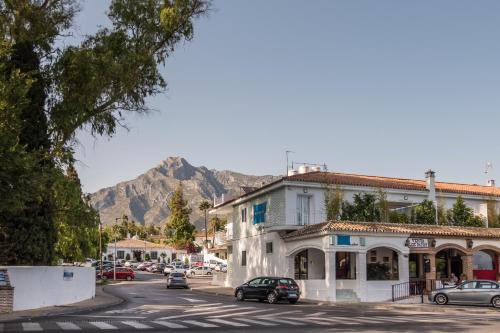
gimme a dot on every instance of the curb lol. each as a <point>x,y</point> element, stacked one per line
<point>118,301</point>
<point>204,291</point>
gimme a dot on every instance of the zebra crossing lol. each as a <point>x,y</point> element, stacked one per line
<point>264,321</point>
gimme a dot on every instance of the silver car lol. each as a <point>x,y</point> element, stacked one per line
<point>176,279</point>
<point>469,292</point>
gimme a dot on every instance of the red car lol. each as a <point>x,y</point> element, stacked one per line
<point>122,273</point>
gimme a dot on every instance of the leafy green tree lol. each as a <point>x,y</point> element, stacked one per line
<point>204,207</point>
<point>179,231</point>
<point>216,224</point>
<point>383,205</point>
<point>493,217</point>
<point>425,213</point>
<point>364,208</point>
<point>333,202</point>
<point>461,215</point>
<point>396,217</point>
<point>50,91</point>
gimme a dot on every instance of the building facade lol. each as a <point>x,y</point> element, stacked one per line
<point>137,249</point>
<point>281,229</point>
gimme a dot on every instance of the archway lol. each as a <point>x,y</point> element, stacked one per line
<point>309,264</point>
<point>485,265</point>
<point>449,263</point>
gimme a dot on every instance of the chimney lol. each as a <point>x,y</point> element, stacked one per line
<point>491,183</point>
<point>430,178</point>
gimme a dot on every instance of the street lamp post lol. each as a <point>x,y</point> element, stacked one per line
<point>100,247</point>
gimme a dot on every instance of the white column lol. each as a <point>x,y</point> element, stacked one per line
<point>330,279</point>
<point>403,267</point>
<point>361,276</point>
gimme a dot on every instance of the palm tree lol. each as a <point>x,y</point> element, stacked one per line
<point>204,207</point>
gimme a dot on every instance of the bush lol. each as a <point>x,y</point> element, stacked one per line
<point>147,257</point>
<point>127,256</point>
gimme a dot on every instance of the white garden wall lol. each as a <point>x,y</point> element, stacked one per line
<point>41,286</point>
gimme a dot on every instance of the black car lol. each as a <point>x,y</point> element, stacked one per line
<point>272,289</point>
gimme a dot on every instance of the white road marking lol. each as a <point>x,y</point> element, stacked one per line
<point>67,326</point>
<point>369,320</point>
<point>136,324</point>
<point>102,325</point>
<point>169,324</point>
<point>32,327</point>
<point>257,322</point>
<point>193,300</point>
<point>338,320</point>
<point>238,313</point>
<point>281,313</point>
<point>204,309</point>
<point>227,322</point>
<point>311,320</point>
<point>284,321</point>
<point>204,313</point>
<point>210,304</point>
<point>315,314</point>
<point>199,323</point>
<point>116,317</point>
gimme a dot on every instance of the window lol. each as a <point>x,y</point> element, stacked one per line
<point>486,285</point>
<point>300,262</point>
<point>120,254</point>
<point>469,285</point>
<point>229,249</point>
<point>243,215</point>
<point>345,265</point>
<point>154,255</point>
<point>254,282</point>
<point>269,247</point>
<point>243,258</point>
<point>383,265</point>
<point>303,202</point>
<point>259,213</point>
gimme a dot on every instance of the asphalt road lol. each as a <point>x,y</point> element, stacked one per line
<point>150,307</point>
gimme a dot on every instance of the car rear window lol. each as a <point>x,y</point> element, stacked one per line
<point>287,281</point>
<point>177,275</point>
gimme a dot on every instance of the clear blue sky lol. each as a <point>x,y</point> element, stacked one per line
<point>374,87</point>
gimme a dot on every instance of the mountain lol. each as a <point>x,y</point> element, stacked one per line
<point>144,199</point>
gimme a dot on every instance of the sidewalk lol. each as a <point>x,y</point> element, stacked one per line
<point>389,306</point>
<point>100,301</point>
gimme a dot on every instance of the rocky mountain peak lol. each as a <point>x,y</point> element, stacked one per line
<point>144,199</point>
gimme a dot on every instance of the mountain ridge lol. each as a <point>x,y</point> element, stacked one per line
<point>144,199</point>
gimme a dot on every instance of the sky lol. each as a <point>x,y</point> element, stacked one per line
<point>389,88</point>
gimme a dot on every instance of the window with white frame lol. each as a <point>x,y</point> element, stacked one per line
<point>303,209</point>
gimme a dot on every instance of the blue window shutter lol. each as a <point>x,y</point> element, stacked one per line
<point>259,213</point>
<point>343,240</point>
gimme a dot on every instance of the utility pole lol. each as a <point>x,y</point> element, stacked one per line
<point>287,152</point>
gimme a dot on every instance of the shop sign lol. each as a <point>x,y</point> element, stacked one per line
<point>418,243</point>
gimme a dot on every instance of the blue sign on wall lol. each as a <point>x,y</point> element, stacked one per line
<point>343,240</point>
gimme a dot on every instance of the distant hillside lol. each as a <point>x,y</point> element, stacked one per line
<point>144,199</point>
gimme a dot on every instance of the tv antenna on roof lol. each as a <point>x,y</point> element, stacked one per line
<point>287,152</point>
<point>488,167</point>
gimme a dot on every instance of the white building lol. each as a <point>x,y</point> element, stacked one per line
<point>136,249</point>
<point>280,229</point>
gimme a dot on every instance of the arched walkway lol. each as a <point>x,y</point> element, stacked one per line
<point>450,263</point>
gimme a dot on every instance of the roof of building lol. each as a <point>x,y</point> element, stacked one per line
<point>138,244</point>
<point>336,178</point>
<point>390,182</point>
<point>412,229</point>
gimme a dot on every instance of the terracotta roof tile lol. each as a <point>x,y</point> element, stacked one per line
<point>412,229</point>
<point>388,182</point>
<point>137,244</point>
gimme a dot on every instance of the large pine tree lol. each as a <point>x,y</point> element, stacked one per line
<point>179,229</point>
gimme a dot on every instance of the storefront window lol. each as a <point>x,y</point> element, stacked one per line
<point>301,265</point>
<point>482,261</point>
<point>413,266</point>
<point>382,264</point>
<point>345,265</point>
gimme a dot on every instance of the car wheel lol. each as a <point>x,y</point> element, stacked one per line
<point>186,287</point>
<point>240,295</point>
<point>168,287</point>
<point>272,298</point>
<point>129,278</point>
<point>292,301</point>
<point>496,302</point>
<point>441,299</point>
<point>209,273</point>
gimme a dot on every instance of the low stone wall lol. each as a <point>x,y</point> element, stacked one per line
<point>220,279</point>
<point>41,286</point>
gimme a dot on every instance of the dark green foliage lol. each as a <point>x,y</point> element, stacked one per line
<point>395,217</point>
<point>377,271</point>
<point>364,208</point>
<point>179,231</point>
<point>424,213</point>
<point>333,203</point>
<point>48,92</point>
<point>461,215</point>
